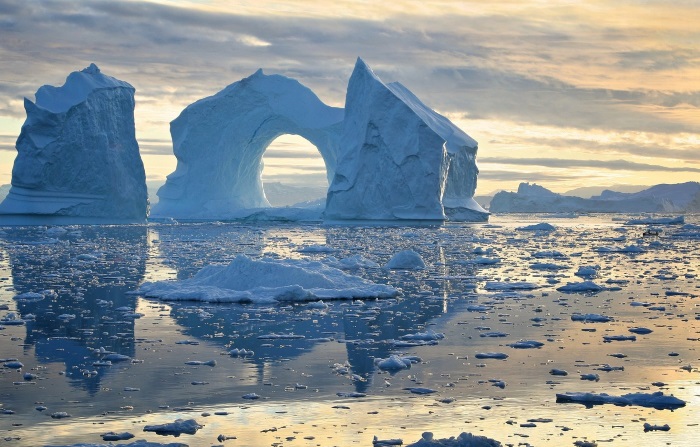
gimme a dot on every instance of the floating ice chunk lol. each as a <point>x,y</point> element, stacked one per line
<point>640,330</point>
<point>558,372</point>
<point>547,266</point>
<point>675,220</point>
<point>650,427</point>
<point>589,271</point>
<point>491,355</point>
<point>426,336</point>
<point>268,280</point>
<point>176,428</point>
<point>393,363</point>
<point>583,286</point>
<point>13,364</point>
<point>406,260</point>
<point>463,440</point>
<point>493,334</point>
<point>498,383</point>
<point>274,336</point>
<point>60,415</point>
<point>609,338</point>
<point>201,363</point>
<point>543,226</point>
<point>591,318</point>
<point>353,263</point>
<point>591,377</point>
<point>376,442</point>
<point>251,396</point>
<point>478,308</point>
<point>353,394</point>
<point>112,436</point>
<point>116,357</point>
<point>420,390</point>
<point>236,352</point>
<point>526,344</point>
<point>549,254</point>
<point>481,260</point>
<point>508,285</point>
<point>654,400</point>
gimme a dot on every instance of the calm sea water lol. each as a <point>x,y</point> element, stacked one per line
<point>92,273</point>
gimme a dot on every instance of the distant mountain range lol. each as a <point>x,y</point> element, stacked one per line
<point>533,198</point>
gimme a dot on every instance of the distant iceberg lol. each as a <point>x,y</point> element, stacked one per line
<point>77,156</point>
<point>533,198</point>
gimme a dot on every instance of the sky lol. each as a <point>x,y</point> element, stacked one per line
<point>563,93</point>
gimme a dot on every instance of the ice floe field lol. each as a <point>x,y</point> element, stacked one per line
<point>579,332</point>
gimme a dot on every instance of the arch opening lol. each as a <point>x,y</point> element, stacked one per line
<point>293,172</point>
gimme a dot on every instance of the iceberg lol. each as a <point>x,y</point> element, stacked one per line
<point>533,198</point>
<point>219,142</point>
<point>394,158</point>
<point>77,156</point>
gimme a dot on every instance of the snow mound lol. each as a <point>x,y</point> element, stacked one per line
<point>265,281</point>
<point>407,260</point>
<point>77,156</point>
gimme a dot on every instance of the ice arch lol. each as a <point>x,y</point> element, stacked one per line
<point>219,142</point>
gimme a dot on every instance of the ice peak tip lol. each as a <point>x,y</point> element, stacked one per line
<point>92,69</point>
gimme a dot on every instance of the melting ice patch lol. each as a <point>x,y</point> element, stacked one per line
<point>266,281</point>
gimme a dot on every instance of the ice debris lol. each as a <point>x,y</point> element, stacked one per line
<point>653,400</point>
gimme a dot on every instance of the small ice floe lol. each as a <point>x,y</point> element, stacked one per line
<point>482,260</point>
<point>429,335</point>
<point>131,389</point>
<point>274,336</point>
<point>352,394</point>
<point>29,376</point>
<point>608,368</point>
<point>609,338</point>
<point>591,318</point>
<point>201,363</point>
<point>187,342</point>
<point>395,363</point>
<point>463,440</point>
<point>13,364</point>
<point>547,266</point>
<point>650,427</point>
<point>316,249</point>
<point>583,286</point>
<point>30,296</point>
<point>491,355</point>
<point>675,220</point>
<point>498,383</point>
<point>251,396</point>
<point>588,271</point>
<point>176,428</point>
<point>494,334</point>
<point>376,442</point>
<point>478,308</point>
<point>60,415</point>
<point>640,330</point>
<point>549,254</point>
<point>12,319</point>
<point>236,352</point>
<point>406,260</point>
<point>354,262</point>
<point>267,281</point>
<point>655,400</point>
<point>114,357</point>
<point>558,372</point>
<point>317,305</point>
<point>543,226</point>
<point>66,317</point>
<point>420,390</point>
<point>112,436</point>
<point>591,377</point>
<point>510,285</point>
<point>526,344</point>
<point>102,363</point>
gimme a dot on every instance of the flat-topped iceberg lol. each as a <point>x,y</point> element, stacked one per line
<point>77,156</point>
<point>266,281</point>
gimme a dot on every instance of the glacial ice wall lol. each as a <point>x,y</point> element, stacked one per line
<point>77,156</point>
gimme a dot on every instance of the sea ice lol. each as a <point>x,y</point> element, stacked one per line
<point>406,260</point>
<point>463,440</point>
<point>579,287</point>
<point>267,280</point>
